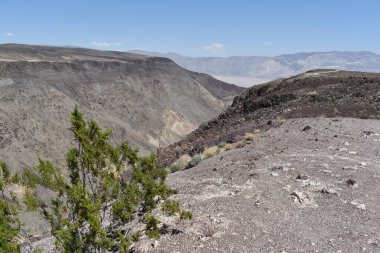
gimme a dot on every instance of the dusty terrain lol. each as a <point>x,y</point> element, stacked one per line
<point>289,190</point>
<point>307,185</point>
<point>149,101</point>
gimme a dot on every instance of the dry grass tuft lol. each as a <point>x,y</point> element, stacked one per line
<point>240,144</point>
<point>228,146</point>
<point>249,136</point>
<point>182,162</point>
<point>211,151</point>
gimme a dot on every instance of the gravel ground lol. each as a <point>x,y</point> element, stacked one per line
<point>292,189</point>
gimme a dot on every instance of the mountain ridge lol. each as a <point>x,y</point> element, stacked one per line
<point>150,101</point>
<point>249,70</point>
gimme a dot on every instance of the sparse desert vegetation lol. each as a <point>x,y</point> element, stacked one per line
<point>249,136</point>
<point>211,151</point>
<point>97,200</point>
<point>187,162</point>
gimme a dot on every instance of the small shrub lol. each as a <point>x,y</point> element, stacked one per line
<point>194,161</point>
<point>136,236</point>
<point>185,215</point>
<point>171,207</point>
<point>249,136</point>
<point>209,152</point>
<point>182,162</point>
<point>16,178</point>
<point>29,178</point>
<point>240,144</point>
<point>222,144</point>
<point>95,189</point>
<point>174,168</point>
<point>31,201</point>
<point>9,228</point>
<point>228,146</point>
<point>152,230</point>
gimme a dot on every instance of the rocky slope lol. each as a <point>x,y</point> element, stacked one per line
<point>288,190</point>
<point>307,185</point>
<point>308,181</point>
<point>318,93</point>
<point>250,70</point>
<point>149,101</point>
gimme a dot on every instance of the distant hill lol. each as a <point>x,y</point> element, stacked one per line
<point>250,70</point>
<point>317,93</point>
<point>150,101</point>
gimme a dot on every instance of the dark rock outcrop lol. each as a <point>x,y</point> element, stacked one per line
<point>319,93</point>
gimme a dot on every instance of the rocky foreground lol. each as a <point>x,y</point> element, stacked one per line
<point>308,185</point>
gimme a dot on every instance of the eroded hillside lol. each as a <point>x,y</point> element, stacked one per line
<point>149,101</point>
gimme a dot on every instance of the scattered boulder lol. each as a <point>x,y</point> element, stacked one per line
<point>329,191</point>
<point>302,177</point>
<point>274,174</point>
<point>301,197</point>
<point>351,183</point>
<point>358,205</point>
<point>306,128</point>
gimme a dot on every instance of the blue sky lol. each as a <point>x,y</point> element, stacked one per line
<point>196,27</point>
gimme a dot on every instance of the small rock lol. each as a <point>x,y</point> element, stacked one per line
<point>329,191</point>
<point>275,174</point>
<point>358,205</point>
<point>351,183</point>
<point>368,133</point>
<point>350,168</point>
<point>214,169</point>
<point>312,183</point>
<point>302,177</point>
<point>306,128</point>
<point>277,168</point>
<point>155,244</point>
<point>253,174</point>
<point>300,197</point>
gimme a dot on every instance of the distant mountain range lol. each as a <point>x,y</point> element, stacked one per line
<point>250,70</point>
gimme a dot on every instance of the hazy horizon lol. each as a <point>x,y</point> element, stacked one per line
<point>195,28</point>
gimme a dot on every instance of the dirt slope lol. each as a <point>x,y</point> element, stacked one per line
<point>289,190</point>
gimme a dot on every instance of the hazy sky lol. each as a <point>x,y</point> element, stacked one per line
<point>195,27</point>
